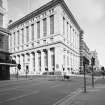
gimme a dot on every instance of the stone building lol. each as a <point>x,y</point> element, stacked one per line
<point>95,55</point>
<point>47,39</point>
<point>84,55</point>
<point>4,52</point>
<point>3,13</point>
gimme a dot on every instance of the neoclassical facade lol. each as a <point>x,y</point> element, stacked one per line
<point>47,39</point>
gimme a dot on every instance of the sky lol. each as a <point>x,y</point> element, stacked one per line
<point>90,14</point>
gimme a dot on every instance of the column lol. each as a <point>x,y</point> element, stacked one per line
<point>23,63</point>
<point>49,60</point>
<point>66,60</point>
<point>31,63</point>
<point>18,59</point>
<point>26,62</point>
<point>36,62</point>
<point>42,61</point>
<point>71,62</point>
<point>59,58</point>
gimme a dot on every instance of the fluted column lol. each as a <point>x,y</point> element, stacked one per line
<point>49,60</point>
<point>23,63</point>
<point>36,62</point>
<point>27,62</point>
<point>42,61</point>
<point>31,63</point>
<point>59,64</point>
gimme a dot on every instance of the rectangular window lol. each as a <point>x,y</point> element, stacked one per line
<point>52,24</point>
<point>22,36</point>
<point>14,39</point>
<point>44,27</point>
<point>32,29</point>
<point>27,34</point>
<point>1,41</point>
<point>70,33</point>
<point>1,20</point>
<point>18,33</point>
<point>38,30</point>
<point>67,29</point>
<point>63,26</point>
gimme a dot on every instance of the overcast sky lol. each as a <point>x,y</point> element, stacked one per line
<point>90,15</point>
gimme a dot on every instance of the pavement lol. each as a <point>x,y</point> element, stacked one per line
<point>93,96</point>
<point>52,91</point>
<point>37,91</point>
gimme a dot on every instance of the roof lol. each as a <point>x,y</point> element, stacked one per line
<point>44,8</point>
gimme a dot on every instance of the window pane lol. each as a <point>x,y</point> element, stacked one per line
<point>27,33</point>
<point>14,38</point>
<point>22,36</point>
<point>38,30</point>
<point>63,26</point>
<point>44,27</point>
<point>32,29</point>
<point>18,33</point>
<point>1,41</point>
<point>52,24</point>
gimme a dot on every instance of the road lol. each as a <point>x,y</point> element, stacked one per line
<point>37,91</point>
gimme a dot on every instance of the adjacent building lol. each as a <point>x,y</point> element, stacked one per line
<point>95,55</point>
<point>3,13</point>
<point>46,40</point>
<point>84,56</point>
<point>4,52</point>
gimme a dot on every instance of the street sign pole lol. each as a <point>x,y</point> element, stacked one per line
<point>17,73</point>
<point>92,77</point>
<point>92,64</point>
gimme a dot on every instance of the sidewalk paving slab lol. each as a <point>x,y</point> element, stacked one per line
<point>94,96</point>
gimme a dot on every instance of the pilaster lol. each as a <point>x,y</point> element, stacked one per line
<point>48,26</point>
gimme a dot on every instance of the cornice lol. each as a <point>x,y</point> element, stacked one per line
<point>44,8</point>
<point>35,13</point>
<point>4,31</point>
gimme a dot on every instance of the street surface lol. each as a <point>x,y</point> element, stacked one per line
<point>37,91</point>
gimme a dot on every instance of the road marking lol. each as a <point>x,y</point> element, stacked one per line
<point>56,85</point>
<point>19,87</point>
<point>17,82</point>
<point>19,97</point>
